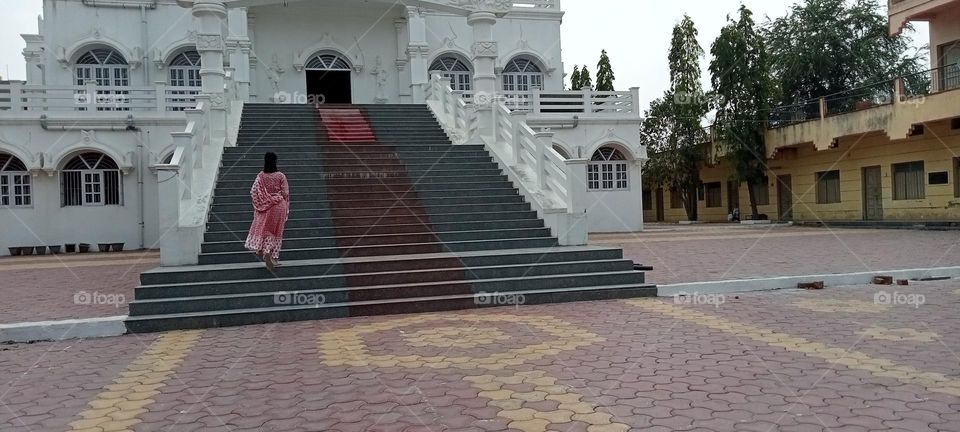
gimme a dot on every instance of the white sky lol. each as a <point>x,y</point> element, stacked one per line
<point>635,33</point>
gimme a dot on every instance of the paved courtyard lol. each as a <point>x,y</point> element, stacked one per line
<point>722,252</point>
<point>842,359</point>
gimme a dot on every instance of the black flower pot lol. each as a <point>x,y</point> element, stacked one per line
<point>54,249</point>
<point>26,250</point>
<point>104,247</point>
<point>70,247</point>
<point>84,247</point>
<point>116,247</point>
<point>15,251</point>
<point>41,250</point>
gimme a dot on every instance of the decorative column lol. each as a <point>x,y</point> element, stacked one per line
<point>417,51</point>
<point>33,57</point>
<point>238,44</point>
<point>485,52</point>
<point>403,80</point>
<point>210,16</point>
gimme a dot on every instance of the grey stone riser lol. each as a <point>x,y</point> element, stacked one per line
<point>305,171</point>
<point>451,153</point>
<point>299,203</point>
<point>373,212</point>
<point>336,295</point>
<point>332,278</point>
<point>220,198</point>
<point>316,163</point>
<point>425,180</point>
<point>383,250</point>
<point>236,245</point>
<point>215,225</point>
<point>158,323</point>
<point>385,174</point>
<point>291,233</point>
<point>372,188</point>
<point>357,149</point>
<point>373,265</point>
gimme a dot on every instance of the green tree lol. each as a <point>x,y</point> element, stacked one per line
<point>586,82</point>
<point>605,77</point>
<point>740,75</point>
<point>672,130</point>
<point>575,78</point>
<point>823,47</point>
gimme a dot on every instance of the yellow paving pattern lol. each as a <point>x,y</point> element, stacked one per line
<point>934,382</point>
<point>346,347</point>
<point>841,306</point>
<point>76,264</point>
<point>899,334</point>
<point>119,405</point>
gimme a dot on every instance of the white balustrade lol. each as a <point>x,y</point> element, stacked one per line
<point>555,188</point>
<point>19,97</point>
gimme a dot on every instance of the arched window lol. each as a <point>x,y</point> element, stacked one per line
<point>561,151</point>
<point>456,70</point>
<point>522,74</point>
<point>607,170</point>
<point>185,70</point>
<point>328,61</point>
<point>184,80</point>
<point>91,179</point>
<point>15,190</point>
<point>104,68</point>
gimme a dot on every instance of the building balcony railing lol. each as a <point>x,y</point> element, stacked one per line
<point>884,93</point>
<point>17,97</point>
<point>892,107</point>
<point>537,4</point>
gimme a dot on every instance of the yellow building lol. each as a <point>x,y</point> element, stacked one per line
<point>895,157</point>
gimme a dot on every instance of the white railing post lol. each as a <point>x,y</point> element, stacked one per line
<point>16,97</point>
<point>90,88</point>
<point>635,101</point>
<point>544,142</point>
<point>535,101</point>
<point>576,186</point>
<point>160,93</point>
<point>517,120</point>
<point>587,106</point>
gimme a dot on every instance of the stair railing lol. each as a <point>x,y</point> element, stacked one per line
<point>555,188</point>
<point>186,187</point>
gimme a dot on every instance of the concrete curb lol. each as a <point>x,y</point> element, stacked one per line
<point>747,285</point>
<point>62,330</point>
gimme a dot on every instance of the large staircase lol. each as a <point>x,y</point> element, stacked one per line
<point>386,216</point>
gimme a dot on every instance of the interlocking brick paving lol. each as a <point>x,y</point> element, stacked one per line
<point>723,252</point>
<point>56,287</point>
<point>841,359</point>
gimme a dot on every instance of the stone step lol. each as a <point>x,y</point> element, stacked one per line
<point>244,198</point>
<point>214,225</point>
<point>236,317</point>
<point>299,203</point>
<point>367,239</point>
<point>394,264</point>
<point>298,189</point>
<point>372,171</point>
<point>405,209</point>
<point>292,233</point>
<point>382,250</point>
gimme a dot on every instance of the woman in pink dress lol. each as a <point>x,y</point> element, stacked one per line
<point>271,204</point>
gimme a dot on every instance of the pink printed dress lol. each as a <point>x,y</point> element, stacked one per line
<point>271,204</point>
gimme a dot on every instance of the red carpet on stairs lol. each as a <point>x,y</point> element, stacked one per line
<point>347,125</point>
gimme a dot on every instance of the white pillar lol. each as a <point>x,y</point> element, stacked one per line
<point>210,16</point>
<point>485,52</point>
<point>417,51</point>
<point>238,42</point>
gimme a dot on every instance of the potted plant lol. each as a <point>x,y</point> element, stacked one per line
<point>116,247</point>
<point>15,251</point>
<point>54,249</point>
<point>84,247</point>
<point>70,247</point>
<point>104,247</point>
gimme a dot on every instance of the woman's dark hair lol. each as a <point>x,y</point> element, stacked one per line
<point>270,162</point>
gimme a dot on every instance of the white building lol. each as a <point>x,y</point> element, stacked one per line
<point>123,95</point>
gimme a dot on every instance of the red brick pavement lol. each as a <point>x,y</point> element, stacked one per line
<point>708,253</point>
<point>648,370</point>
<point>70,286</point>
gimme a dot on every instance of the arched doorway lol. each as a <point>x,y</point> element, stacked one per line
<point>329,78</point>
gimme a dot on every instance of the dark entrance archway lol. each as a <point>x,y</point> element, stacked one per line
<point>329,86</point>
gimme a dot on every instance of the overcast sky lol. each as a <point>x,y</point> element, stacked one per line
<point>635,33</point>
